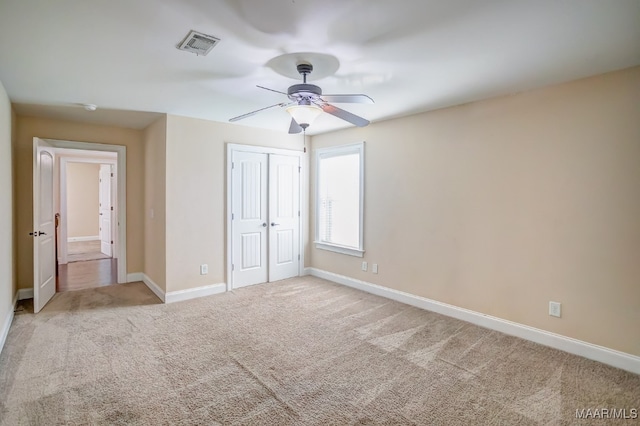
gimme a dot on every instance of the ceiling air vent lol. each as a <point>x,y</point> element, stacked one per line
<point>198,43</point>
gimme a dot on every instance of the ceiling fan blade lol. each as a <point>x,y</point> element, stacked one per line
<point>345,115</point>
<point>348,99</point>
<point>249,114</point>
<point>294,127</point>
<point>271,90</point>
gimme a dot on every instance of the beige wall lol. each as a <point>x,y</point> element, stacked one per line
<point>196,195</point>
<point>155,164</point>
<point>30,127</point>
<point>14,138</point>
<point>503,205</point>
<point>6,211</point>
<point>83,204</point>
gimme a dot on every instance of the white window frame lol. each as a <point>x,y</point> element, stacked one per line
<point>334,151</point>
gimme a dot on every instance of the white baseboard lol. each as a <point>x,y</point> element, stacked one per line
<point>176,296</point>
<point>6,324</point>
<point>192,293</point>
<point>88,238</point>
<point>25,293</point>
<point>598,353</point>
<point>135,277</point>
<point>306,271</point>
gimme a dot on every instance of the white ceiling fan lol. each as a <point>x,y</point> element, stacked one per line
<point>306,103</point>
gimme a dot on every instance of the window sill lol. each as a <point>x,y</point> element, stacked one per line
<point>340,249</point>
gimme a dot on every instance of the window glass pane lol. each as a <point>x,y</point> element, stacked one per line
<point>339,200</point>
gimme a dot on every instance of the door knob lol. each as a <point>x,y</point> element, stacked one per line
<point>264,225</point>
<point>42,233</point>
<point>274,224</point>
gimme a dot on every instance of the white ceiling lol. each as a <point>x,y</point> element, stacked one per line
<point>408,55</point>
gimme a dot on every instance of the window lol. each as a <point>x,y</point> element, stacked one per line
<point>339,199</point>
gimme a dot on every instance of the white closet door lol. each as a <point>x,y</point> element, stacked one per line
<point>249,217</point>
<point>284,216</point>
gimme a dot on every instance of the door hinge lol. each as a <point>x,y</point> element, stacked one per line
<point>233,165</point>
<point>112,208</point>
<point>233,267</point>
<point>298,213</point>
<point>232,216</point>
<point>299,169</point>
<point>298,257</point>
<point>111,174</point>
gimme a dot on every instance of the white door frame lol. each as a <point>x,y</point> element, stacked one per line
<point>122,193</point>
<point>64,228</point>
<point>303,205</point>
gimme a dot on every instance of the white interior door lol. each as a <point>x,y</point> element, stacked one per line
<point>44,276</point>
<point>114,210</point>
<point>104,195</point>
<point>284,216</point>
<point>249,218</point>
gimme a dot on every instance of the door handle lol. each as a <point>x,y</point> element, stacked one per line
<point>42,233</point>
<point>274,224</point>
<point>35,234</point>
<point>264,225</point>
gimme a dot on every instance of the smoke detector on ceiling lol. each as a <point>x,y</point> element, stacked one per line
<point>198,43</point>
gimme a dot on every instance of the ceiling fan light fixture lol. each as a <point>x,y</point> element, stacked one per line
<point>304,114</point>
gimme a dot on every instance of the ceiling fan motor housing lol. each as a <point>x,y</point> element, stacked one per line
<point>304,89</point>
<point>304,94</point>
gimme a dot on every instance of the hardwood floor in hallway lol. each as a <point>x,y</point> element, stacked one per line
<point>89,274</point>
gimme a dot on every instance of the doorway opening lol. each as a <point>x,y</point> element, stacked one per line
<point>88,206</point>
<point>93,213</point>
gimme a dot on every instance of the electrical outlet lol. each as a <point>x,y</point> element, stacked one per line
<point>204,269</point>
<point>555,309</point>
<point>364,266</point>
<point>374,268</point>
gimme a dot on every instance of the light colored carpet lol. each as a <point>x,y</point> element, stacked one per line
<point>297,352</point>
<point>80,251</point>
